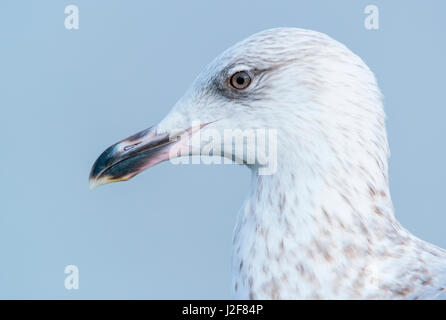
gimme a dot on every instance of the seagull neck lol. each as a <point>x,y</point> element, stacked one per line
<point>304,224</point>
<point>310,200</point>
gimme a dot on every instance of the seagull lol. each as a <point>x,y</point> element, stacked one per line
<point>321,225</point>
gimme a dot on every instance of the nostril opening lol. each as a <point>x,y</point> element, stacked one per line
<point>127,148</point>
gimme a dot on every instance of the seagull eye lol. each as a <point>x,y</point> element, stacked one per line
<point>240,80</point>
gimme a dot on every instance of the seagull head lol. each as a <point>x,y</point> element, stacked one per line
<point>318,98</point>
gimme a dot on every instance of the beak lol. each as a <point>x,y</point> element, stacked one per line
<point>125,159</point>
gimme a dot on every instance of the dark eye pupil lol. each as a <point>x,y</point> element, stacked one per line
<point>240,80</point>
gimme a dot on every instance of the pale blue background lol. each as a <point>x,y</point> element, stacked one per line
<point>66,95</point>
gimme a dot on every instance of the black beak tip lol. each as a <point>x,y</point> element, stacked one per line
<point>100,165</point>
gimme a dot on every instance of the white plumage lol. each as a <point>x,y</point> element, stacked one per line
<point>323,225</point>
